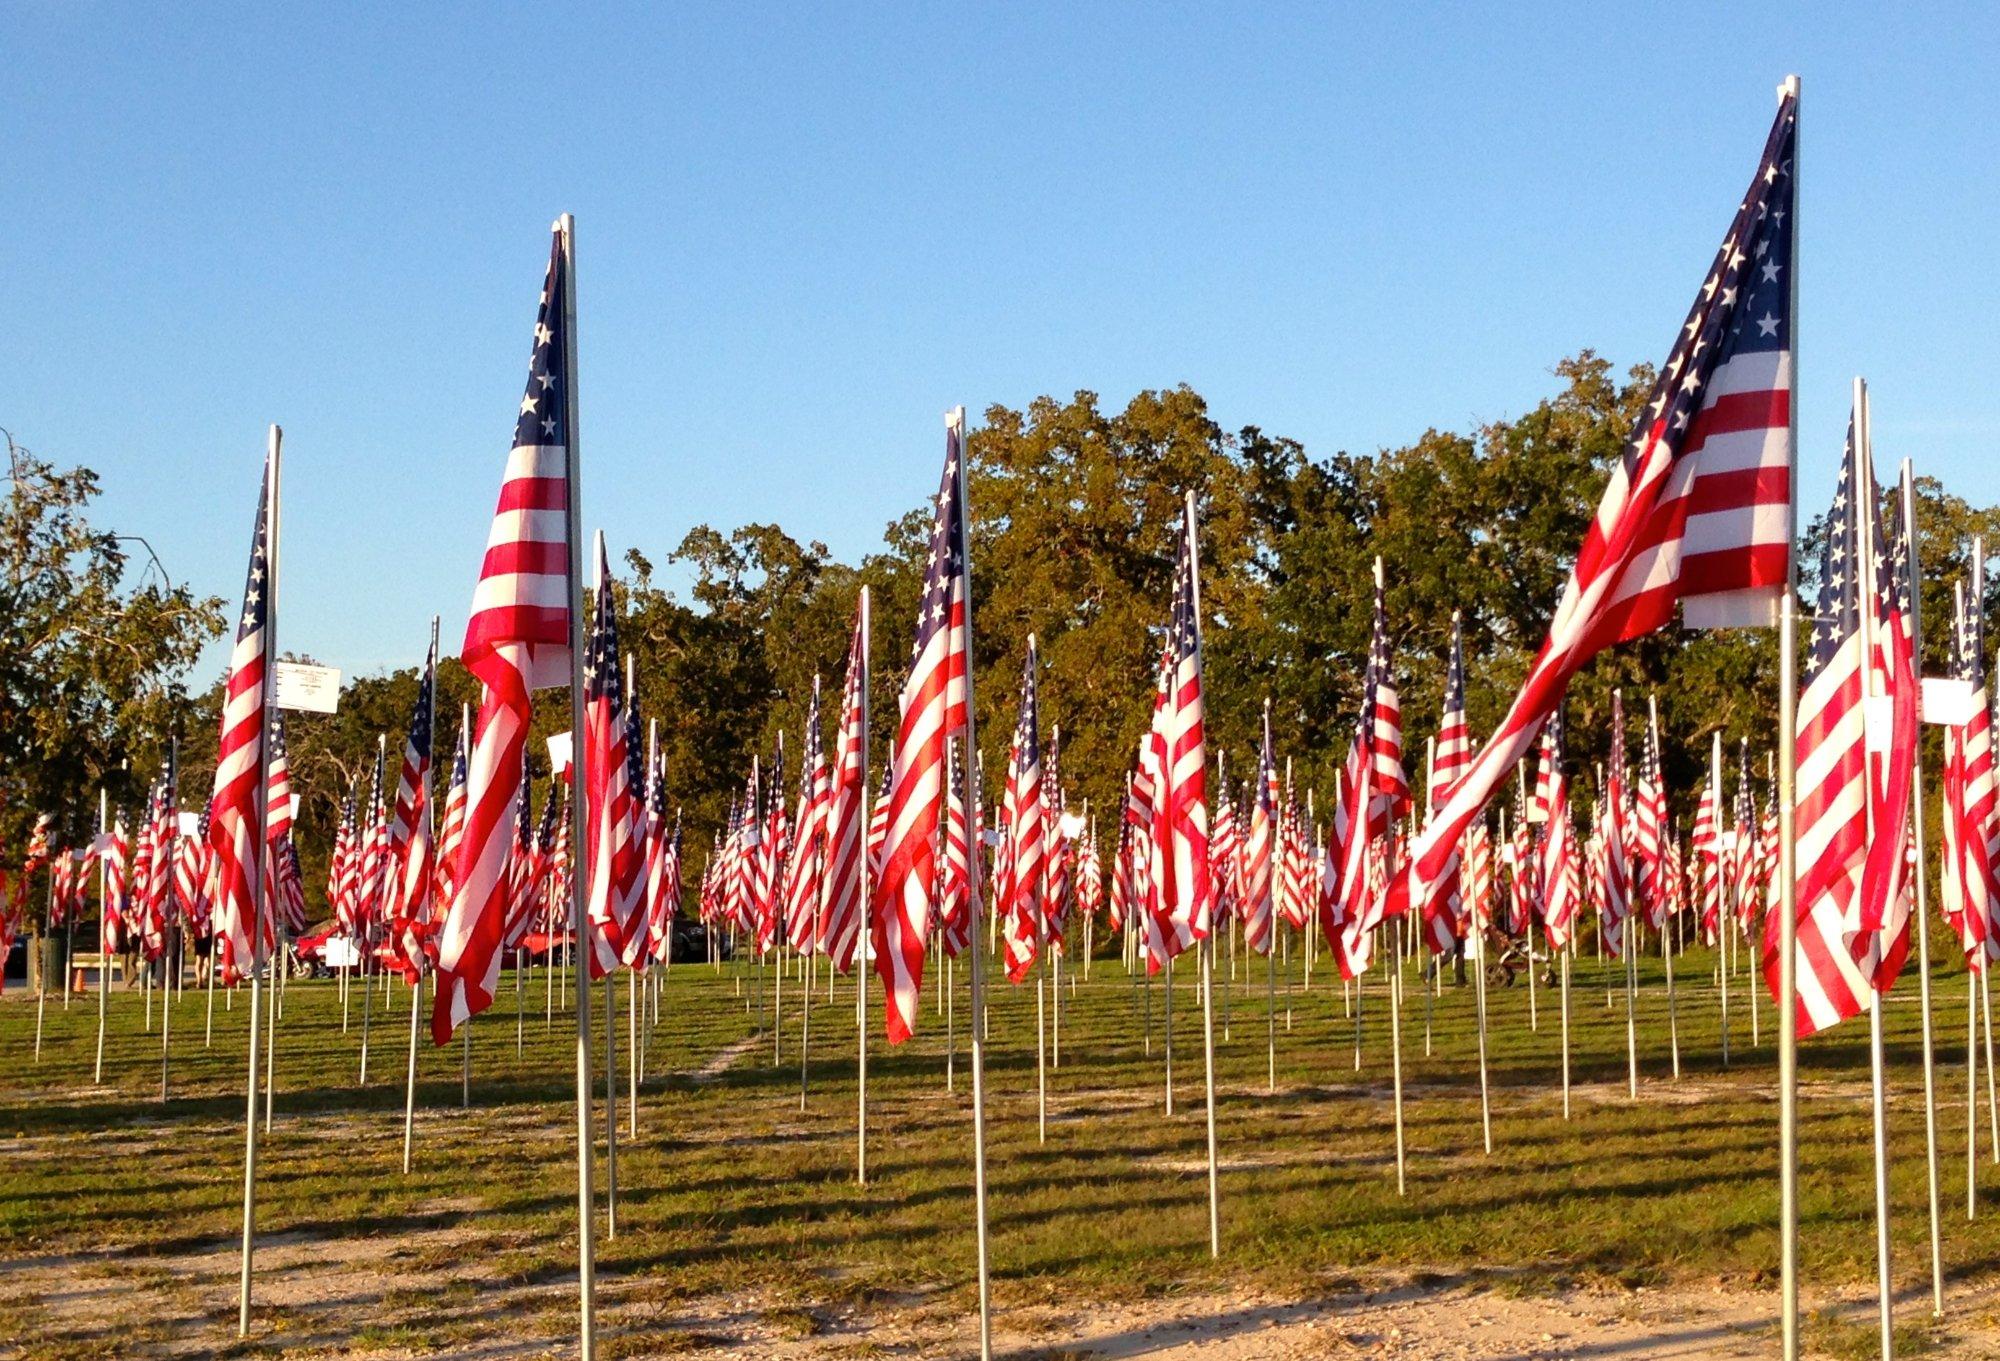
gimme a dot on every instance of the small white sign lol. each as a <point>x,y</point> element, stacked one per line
<point>1072,825</point>
<point>190,824</point>
<point>341,953</point>
<point>561,751</point>
<point>310,689</point>
<point>1878,719</point>
<point>1948,701</point>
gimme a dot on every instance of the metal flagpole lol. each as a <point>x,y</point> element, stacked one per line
<point>1909,499</point>
<point>1270,948</point>
<point>1207,944</point>
<point>1476,931</point>
<point>170,957</point>
<point>1169,975</point>
<point>1725,910</point>
<point>956,421</point>
<point>1788,1034</point>
<point>103,933</point>
<point>580,782</point>
<point>1396,1045</point>
<point>573,533</point>
<point>274,457</point>
<point>634,993</point>
<point>417,988</point>
<point>1041,1059</point>
<point>864,935</point>
<point>368,929</point>
<point>1878,1103</point>
<point>1565,955</point>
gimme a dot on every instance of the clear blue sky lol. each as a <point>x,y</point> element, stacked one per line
<point>804,232</point>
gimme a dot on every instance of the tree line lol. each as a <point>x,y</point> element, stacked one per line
<point>1075,507</point>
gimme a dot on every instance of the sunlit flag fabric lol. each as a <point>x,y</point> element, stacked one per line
<point>287,883</point>
<point>236,826</point>
<point>516,641</point>
<point>1697,512</point>
<point>1850,809</point>
<point>933,710</point>
<point>772,852</point>
<point>1056,849</point>
<point>1561,867</point>
<point>611,905</point>
<point>1259,849</point>
<point>807,864</point>
<point>840,891</point>
<point>1180,824</point>
<point>1617,872</point>
<point>1707,842</point>
<point>1020,877</point>
<point>1650,832</point>
<point>1374,792</point>
<point>451,832</point>
<point>115,852</point>
<point>1444,901</point>
<point>409,853</point>
<point>955,878</point>
<point>1968,878</point>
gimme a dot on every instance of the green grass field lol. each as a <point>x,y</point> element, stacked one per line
<point>730,1193</point>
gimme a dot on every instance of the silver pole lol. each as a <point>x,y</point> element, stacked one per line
<point>863,941</point>
<point>103,935</point>
<point>956,420</point>
<point>410,1081</point>
<point>1870,580</point>
<point>1909,498</point>
<point>573,532</point>
<point>1207,945</point>
<point>1788,1035</point>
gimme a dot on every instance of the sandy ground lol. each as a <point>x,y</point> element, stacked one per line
<point>364,1296</point>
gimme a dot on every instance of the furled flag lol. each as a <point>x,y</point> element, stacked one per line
<point>1698,510</point>
<point>808,860</point>
<point>839,926</point>
<point>1374,791</point>
<point>1179,826</point>
<point>236,823</point>
<point>1019,877</point>
<point>516,641</point>
<point>451,833</point>
<point>1225,850</point>
<point>1057,851</point>
<point>116,921</point>
<point>341,879</point>
<point>770,862</point>
<point>1969,888</point>
<point>288,888</point>
<point>409,852</point>
<point>1089,876</point>
<point>611,900</point>
<point>1444,902</point>
<point>1260,849</point>
<point>933,710</point>
<point>1561,870</point>
<point>1851,806</point>
<point>1650,829</point>
<point>1707,841</point>
<point>1611,823</point>
<point>955,925</point>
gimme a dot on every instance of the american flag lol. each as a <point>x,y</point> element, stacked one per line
<point>839,925</point>
<point>808,860</point>
<point>771,861</point>
<point>452,831</point>
<point>516,641</point>
<point>1056,849</point>
<point>663,866</point>
<point>1707,843</point>
<point>1969,801</point>
<point>1651,832</point>
<point>409,853</point>
<point>612,867</point>
<point>374,856</point>
<point>1851,808</point>
<point>1259,903</point>
<point>638,939</point>
<point>341,879</point>
<point>236,825</point>
<point>115,852</point>
<point>933,708</point>
<point>1375,791</point>
<point>1698,510</point>
<point>1180,821</point>
<point>1089,876</point>
<point>1225,851</point>
<point>1617,834</point>
<point>1020,876</point>
<point>1444,903</point>
<point>1522,852</point>
<point>287,883</point>
<point>1561,869</point>
<point>955,925</point>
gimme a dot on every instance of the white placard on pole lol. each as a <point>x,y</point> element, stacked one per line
<point>561,751</point>
<point>1947,701</point>
<point>190,824</point>
<point>310,689</point>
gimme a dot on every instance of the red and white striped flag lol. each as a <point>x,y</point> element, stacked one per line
<point>955,925</point>
<point>516,642</point>
<point>933,710</point>
<point>1561,867</point>
<point>1179,825</point>
<point>1375,793</point>
<point>236,821</point>
<point>613,854</point>
<point>839,927</point>
<point>1259,868</point>
<point>1443,905</point>
<point>1617,839</point>
<point>1969,888</point>
<point>409,855</point>
<point>1019,876</point>
<point>1697,513</point>
<point>1852,805</point>
<point>807,865</point>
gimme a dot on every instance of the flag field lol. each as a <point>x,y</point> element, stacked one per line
<point>740,1218</point>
